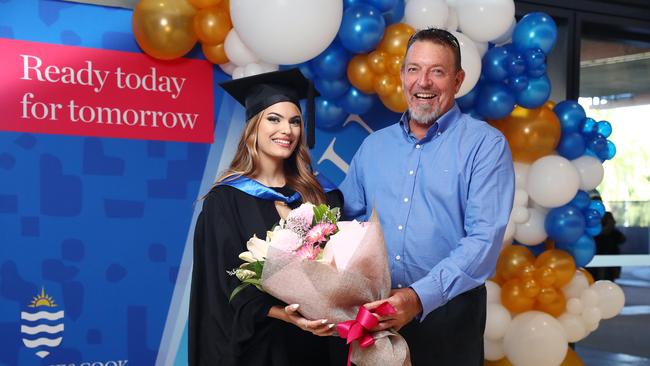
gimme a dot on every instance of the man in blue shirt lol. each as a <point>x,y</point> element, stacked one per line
<point>442,183</point>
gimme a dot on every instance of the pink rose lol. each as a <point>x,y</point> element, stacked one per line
<point>285,239</point>
<point>319,233</point>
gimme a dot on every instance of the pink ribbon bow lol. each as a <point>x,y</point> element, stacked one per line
<point>359,329</point>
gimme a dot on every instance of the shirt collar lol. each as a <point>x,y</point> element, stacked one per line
<point>440,126</point>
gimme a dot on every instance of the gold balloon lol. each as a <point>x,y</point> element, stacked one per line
<point>587,274</point>
<point>385,84</point>
<point>163,28</point>
<point>395,101</point>
<point>501,362</point>
<point>531,133</point>
<point>377,61</point>
<point>514,298</point>
<point>201,4</point>
<point>215,54</point>
<point>513,260</point>
<point>555,306</point>
<point>547,295</point>
<point>531,288</point>
<point>395,39</point>
<point>572,359</point>
<point>212,25</point>
<point>545,276</point>
<point>394,64</point>
<point>360,75</point>
<point>562,264</point>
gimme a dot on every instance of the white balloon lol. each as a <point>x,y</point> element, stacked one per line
<point>591,326</point>
<point>552,181</point>
<point>521,197</point>
<point>507,36</point>
<point>228,68</point>
<point>253,69</point>
<point>532,232</point>
<point>611,296</point>
<point>591,171</point>
<point>574,288</point>
<point>589,298</point>
<point>520,214</point>
<point>493,349</point>
<point>496,322</point>
<point>485,20</point>
<point>452,3</point>
<point>238,72</point>
<point>421,14</point>
<point>521,175</point>
<point>510,231</point>
<point>237,51</point>
<point>537,206</point>
<point>574,306</point>
<point>470,61</point>
<point>269,67</point>
<point>535,338</point>
<point>481,47</point>
<point>591,315</point>
<point>286,31</point>
<point>493,292</point>
<point>452,20</point>
<point>573,326</point>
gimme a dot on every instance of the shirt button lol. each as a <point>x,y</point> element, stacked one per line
<point>439,133</point>
<point>410,172</point>
<point>399,285</point>
<point>397,257</point>
<point>406,199</point>
<point>400,227</point>
<point>417,146</point>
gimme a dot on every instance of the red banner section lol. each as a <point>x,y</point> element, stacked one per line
<point>70,90</point>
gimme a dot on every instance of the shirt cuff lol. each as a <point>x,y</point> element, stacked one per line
<point>429,290</point>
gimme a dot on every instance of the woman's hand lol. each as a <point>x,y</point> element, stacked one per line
<point>290,314</point>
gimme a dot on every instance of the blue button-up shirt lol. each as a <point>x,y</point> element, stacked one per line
<point>443,202</point>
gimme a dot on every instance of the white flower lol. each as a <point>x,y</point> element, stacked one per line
<point>257,249</point>
<point>244,274</point>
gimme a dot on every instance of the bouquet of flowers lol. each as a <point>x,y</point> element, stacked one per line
<point>330,268</point>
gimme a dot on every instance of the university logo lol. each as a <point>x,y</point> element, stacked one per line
<point>42,324</point>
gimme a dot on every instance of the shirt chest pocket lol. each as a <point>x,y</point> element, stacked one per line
<point>440,181</point>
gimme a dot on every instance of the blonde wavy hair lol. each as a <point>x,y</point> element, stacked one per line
<point>297,168</point>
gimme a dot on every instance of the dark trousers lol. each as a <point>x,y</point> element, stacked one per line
<point>451,335</point>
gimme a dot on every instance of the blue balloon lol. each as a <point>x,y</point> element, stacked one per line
<point>468,101</point>
<point>592,217</point>
<point>331,64</point>
<point>517,83</point>
<point>535,30</point>
<point>516,65</point>
<point>534,58</point>
<point>611,150</point>
<point>396,13</point>
<point>328,114</point>
<point>362,28</point>
<point>582,250</point>
<point>331,89</point>
<point>564,224</point>
<point>382,5</point>
<point>589,127</point>
<point>536,94</point>
<point>597,144</point>
<point>495,101</point>
<point>495,64</point>
<point>604,128</point>
<point>581,200</point>
<point>594,230</point>
<point>349,3</point>
<point>571,146</point>
<point>304,67</point>
<point>537,71</point>
<point>537,249</point>
<point>356,102</point>
<point>570,114</point>
<point>598,206</point>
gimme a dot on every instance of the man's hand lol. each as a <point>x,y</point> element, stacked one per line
<point>407,306</point>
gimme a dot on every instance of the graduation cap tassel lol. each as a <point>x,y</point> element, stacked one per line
<point>311,116</point>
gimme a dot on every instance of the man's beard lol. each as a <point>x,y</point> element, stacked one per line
<point>425,118</point>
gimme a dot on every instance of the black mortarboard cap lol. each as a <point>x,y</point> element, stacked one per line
<point>258,92</point>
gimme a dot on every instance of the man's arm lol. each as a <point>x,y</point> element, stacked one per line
<point>352,187</point>
<point>490,196</point>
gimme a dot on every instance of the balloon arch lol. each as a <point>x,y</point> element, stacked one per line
<point>540,298</point>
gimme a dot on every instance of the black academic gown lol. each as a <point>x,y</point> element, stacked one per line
<point>223,333</point>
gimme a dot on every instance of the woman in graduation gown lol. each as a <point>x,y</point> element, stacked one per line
<point>269,175</point>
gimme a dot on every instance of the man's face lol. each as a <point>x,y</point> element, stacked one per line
<point>430,80</point>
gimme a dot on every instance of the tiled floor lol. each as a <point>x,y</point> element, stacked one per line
<point>625,339</point>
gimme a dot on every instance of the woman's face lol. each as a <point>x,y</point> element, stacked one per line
<point>278,133</point>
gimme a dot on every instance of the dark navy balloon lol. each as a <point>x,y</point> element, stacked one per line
<point>582,250</point>
<point>356,102</point>
<point>597,144</point>
<point>468,101</point>
<point>594,230</point>
<point>328,114</point>
<point>495,101</point>
<point>396,14</point>
<point>362,28</point>
<point>535,30</point>
<point>495,64</point>
<point>564,224</point>
<point>536,93</point>
<point>332,63</point>
<point>517,83</point>
<point>534,58</point>
<point>570,114</point>
<point>592,217</point>
<point>382,5</point>
<point>581,200</point>
<point>331,89</point>
<point>516,65</point>
<point>537,71</point>
<point>571,145</point>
